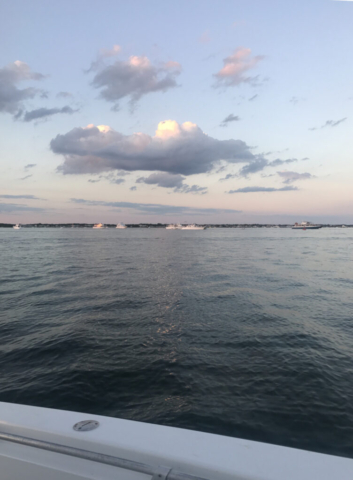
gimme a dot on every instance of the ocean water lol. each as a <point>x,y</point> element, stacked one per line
<point>245,333</point>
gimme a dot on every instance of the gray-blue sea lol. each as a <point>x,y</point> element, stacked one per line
<point>241,332</point>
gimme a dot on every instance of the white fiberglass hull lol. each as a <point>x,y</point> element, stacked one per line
<point>310,227</point>
<point>40,443</point>
<point>193,228</point>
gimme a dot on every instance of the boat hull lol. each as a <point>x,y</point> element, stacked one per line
<point>312,227</point>
<point>39,443</point>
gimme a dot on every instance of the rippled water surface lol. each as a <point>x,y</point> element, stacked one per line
<point>246,333</point>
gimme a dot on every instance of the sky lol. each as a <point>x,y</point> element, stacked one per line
<point>202,111</point>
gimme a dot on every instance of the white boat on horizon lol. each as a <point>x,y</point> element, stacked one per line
<point>193,227</point>
<point>306,226</point>
<point>121,225</point>
<point>174,226</point>
<point>41,443</point>
<point>17,227</point>
<point>98,226</point>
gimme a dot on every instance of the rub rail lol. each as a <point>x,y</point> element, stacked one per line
<point>158,473</point>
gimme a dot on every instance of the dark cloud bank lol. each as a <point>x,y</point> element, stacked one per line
<point>177,149</point>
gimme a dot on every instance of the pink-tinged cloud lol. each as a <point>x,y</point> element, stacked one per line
<point>133,78</point>
<point>235,67</point>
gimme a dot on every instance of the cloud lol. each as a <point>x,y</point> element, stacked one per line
<point>229,176</point>
<point>290,177</point>
<point>46,112</point>
<point>27,197</point>
<point>133,189</point>
<point>330,123</point>
<point>175,148</point>
<point>103,54</point>
<point>256,166</point>
<point>11,97</point>
<point>134,78</point>
<point>30,165</point>
<point>25,178</point>
<point>16,207</point>
<point>170,180</point>
<point>278,162</point>
<point>64,95</point>
<point>235,68</point>
<point>259,164</point>
<point>153,208</point>
<point>296,100</point>
<point>106,52</point>
<point>117,181</point>
<point>262,189</point>
<point>229,118</point>
<point>251,99</point>
<point>162,179</point>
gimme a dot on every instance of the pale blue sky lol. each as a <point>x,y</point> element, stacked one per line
<point>297,71</point>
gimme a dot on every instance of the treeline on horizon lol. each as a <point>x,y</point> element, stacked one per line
<point>158,225</point>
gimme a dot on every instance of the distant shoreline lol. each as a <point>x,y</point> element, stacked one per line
<point>162,225</point>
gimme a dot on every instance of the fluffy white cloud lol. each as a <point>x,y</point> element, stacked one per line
<point>175,148</point>
<point>11,97</point>
<point>236,66</point>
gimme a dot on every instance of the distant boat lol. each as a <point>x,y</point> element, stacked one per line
<point>173,226</point>
<point>193,227</point>
<point>17,227</point>
<point>121,225</point>
<point>98,225</point>
<point>306,226</point>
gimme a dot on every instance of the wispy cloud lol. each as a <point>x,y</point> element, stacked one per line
<point>290,177</point>
<point>330,123</point>
<point>153,208</point>
<point>30,165</point>
<point>296,100</point>
<point>262,189</point>
<point>25,178</point>
<point>229,176</point>
<point>259,164</point>
<point>27,197</point>
<point>253,167</point>
<point>235,68</point>
<point>41,113</point>
<point>170,180</point>
<point>228,119</point>
<point>17,208</point>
